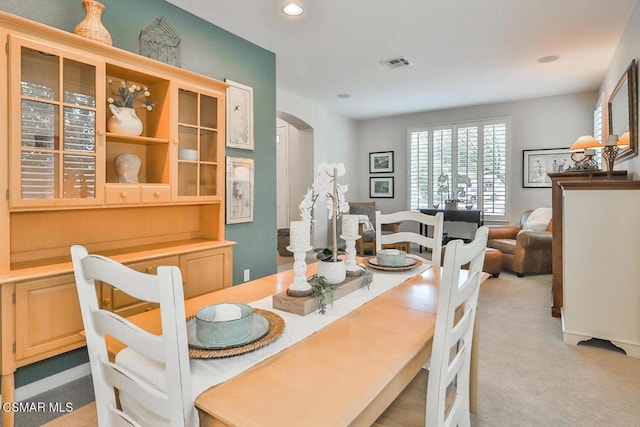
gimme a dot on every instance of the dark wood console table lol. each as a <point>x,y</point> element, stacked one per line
<point>556,207</point>
<point>456,215</point>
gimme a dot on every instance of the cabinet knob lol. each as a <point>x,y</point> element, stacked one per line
<point>149,270</point>
<point>156,194</point>
<point>100,132</point>
<point>123,195</point>
<point>175,142</point>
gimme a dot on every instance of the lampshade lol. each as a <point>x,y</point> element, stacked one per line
<point>623,141</point>
<point>584,142</point>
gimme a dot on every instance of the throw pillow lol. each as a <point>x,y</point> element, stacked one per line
<point>538,220</point>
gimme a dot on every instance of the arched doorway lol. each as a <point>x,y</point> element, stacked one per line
<point>294,166</point>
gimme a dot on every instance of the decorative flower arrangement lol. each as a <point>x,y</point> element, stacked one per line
<point>125,95</point>
<point>326,187</point>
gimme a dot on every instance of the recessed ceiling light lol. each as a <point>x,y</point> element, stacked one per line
<point>293,9</point>
<point>343,95</point>
<point>549,58</point>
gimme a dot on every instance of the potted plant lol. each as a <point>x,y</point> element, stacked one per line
<point>326,187</point>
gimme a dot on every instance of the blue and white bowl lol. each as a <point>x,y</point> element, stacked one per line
<point>212,329</point>
<point>391,258</point>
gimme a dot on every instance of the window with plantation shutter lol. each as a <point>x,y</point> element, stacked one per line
<point>462,161</point>
<point>598,130</point>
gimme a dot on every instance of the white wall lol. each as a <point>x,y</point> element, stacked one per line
<point>550,122</point>
<point>628,49</point>
<point>334,140</point>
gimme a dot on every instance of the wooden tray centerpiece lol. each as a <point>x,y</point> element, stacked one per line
<point>308,304</point>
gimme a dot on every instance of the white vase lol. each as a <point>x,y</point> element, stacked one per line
<point>124,121</point>
<point>333,272</point>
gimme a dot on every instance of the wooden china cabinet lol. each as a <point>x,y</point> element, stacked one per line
<point>61,187</point>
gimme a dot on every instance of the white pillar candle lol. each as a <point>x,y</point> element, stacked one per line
<point>299,234</point>
<point>350,225</point>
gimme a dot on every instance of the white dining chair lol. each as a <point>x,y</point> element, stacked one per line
<point>439,395</point>
<point>448,386</point>
<point>434,242</point>
<point>152,373</point>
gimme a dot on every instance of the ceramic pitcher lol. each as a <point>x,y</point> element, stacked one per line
<point>124,121</point>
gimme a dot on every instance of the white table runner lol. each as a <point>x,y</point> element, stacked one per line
<point>206,373</point>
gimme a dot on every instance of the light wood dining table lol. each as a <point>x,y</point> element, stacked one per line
<point>346,374</point>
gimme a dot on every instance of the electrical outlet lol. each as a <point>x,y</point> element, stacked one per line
<point>247,275</point>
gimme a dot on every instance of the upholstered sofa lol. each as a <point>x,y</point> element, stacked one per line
<point>526,248</point>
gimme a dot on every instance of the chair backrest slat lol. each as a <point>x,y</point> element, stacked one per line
<point>107,323</point>
<point>146,394</point>
<point>139,285</point>
<point>433,242</point>
<point>452,340</point>
<point>152,374</point>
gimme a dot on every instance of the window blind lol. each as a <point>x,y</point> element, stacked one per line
<point>464,161</point>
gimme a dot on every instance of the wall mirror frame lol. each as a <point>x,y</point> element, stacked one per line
<point>623,110</point>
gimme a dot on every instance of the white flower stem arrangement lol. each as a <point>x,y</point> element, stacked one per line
<point>325,187</point>
<point>129,96</point>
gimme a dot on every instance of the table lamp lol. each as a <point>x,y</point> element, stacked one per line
<point>613,147</point>
<point>582,152</point>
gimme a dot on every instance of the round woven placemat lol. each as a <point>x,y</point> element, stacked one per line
<point>276,327</point>
<point>416,264</point>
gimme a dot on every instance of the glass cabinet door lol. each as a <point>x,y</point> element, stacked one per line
<point>55,95</point>
<point>199,142</point>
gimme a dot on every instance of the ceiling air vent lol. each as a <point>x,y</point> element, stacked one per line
<point>396,62</point>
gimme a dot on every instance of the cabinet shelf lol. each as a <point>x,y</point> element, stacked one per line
<point>192,126</point>
<point>144,140</point>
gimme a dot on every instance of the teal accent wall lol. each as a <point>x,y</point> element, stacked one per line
<point>208,50</point>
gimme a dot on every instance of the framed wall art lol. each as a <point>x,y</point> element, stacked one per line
<point>239,116</point>
<point>381,187</point>
<point>536,164</point>
<point>381,162</point>
<point>240,190</point>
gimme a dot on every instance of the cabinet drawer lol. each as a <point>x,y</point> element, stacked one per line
<point>48,317</point>
<point>125,305</point>
<point>122,194</point>
<point>206,271</point>
<point>156,194</point>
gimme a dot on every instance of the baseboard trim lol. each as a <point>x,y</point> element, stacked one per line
<point>56,380</point>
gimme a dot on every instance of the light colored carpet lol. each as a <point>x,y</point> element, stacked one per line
<point>527,375</point>
<point>84,416</point>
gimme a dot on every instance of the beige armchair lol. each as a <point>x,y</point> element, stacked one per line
<point>523,251</point>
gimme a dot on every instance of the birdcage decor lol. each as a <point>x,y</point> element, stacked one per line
<point>159,41</point>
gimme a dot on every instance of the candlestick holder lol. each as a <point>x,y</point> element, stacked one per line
<point>350,250</point>
<point>300,287</point>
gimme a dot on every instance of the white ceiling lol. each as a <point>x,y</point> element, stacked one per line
<point>464,52</point>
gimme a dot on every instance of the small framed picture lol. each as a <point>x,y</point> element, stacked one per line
<point>239,116</point>
<point>381,162</point>
<point>240,190</point>
<point>536,164</point>
<point>381,187</point>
